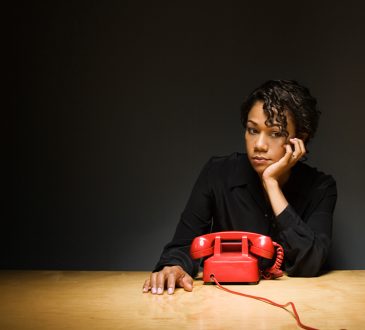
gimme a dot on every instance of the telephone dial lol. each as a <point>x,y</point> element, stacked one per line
<point>233,256</point>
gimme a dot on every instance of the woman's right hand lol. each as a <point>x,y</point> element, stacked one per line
<point>169,277</point>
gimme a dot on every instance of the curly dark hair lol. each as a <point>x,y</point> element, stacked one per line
<point>280,97</point>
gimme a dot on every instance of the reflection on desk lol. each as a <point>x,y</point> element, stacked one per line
<point>114,300</point>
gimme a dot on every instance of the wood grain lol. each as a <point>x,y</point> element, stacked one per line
<point>114,300</point>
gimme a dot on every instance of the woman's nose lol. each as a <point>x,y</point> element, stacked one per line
<point>261,143</point>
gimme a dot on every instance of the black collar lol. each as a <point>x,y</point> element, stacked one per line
<point>242,173</point>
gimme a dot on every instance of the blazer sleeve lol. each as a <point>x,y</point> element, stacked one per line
<point>306,242</point>
<point>195,221</point>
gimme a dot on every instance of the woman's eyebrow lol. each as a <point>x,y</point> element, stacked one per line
<point>252,122</point>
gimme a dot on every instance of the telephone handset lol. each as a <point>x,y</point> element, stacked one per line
<point>234,256</point>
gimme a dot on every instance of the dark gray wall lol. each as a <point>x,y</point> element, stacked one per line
<point>118,105</point>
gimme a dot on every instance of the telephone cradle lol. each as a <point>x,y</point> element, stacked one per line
<point>233,256</point>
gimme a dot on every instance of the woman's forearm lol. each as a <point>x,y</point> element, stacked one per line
<point>277,199</point>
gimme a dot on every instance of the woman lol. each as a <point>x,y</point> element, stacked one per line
<point>267,190</point>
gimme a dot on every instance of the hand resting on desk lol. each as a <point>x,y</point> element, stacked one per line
<point>169,277</point>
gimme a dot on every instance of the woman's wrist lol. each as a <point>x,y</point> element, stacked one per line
<point>277,199</point>
<point>270,183</point>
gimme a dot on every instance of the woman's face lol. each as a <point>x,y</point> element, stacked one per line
<point>264,144</point>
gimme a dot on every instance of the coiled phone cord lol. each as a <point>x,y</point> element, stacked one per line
<point>268,301</point>
<point>275,270</point>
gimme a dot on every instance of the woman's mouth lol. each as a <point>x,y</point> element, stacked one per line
<point>259,160</point>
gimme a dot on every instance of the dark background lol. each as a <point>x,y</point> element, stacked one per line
<point>118,105</point>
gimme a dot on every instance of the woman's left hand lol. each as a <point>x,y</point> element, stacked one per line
<point>278,170</point>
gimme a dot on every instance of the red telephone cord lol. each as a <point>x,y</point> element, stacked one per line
<point>275,271</point>
<point>268,301</point>
<point>271,273</point>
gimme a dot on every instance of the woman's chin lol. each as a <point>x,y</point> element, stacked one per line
<point>259,169</point>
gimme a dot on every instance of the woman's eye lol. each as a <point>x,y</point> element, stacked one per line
<point>251,130</point>
<point>276,134</point>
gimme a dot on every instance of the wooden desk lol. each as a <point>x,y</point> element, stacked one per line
<point>114,300</point>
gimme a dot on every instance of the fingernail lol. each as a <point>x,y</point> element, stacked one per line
<point>170,290</point>
<point>159,290</point>
<point>145,290</point>
<point>153,290</point>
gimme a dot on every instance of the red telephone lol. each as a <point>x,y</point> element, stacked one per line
<point>234,254</point>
